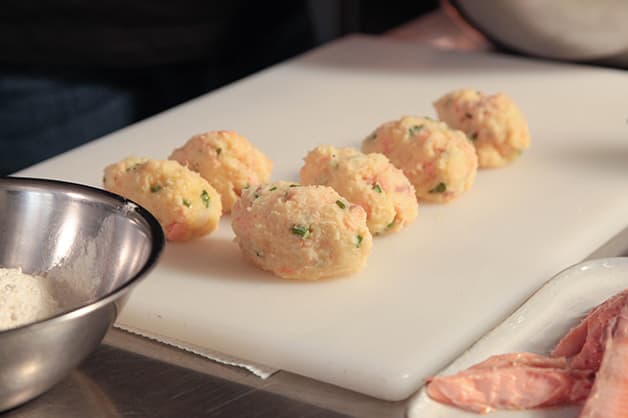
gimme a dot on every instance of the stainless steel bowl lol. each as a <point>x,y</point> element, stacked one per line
<point>593,31</point>
<point>93,246</point>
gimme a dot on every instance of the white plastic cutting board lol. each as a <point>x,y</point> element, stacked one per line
<point>429,291</point>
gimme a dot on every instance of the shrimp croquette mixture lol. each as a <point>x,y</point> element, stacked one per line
<point>440,162</point>
<point>301,232</point>
<point>368,180</point>
<point>494,124</point>
<point>183,202</point>
<point>228,161</point>
<point>324,226</point>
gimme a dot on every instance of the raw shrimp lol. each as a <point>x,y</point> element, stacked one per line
<point>512,381</point>
<point>609,396</point>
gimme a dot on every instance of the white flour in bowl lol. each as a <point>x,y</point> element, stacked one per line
<point>24,298</point>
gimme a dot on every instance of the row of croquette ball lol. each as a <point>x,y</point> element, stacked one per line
<point>323,226</point>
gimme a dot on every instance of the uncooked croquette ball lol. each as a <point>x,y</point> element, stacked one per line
<point>369,180</point>
<point>183,202</point>
<point>301,232</point>
<point>440,162</point>
<point>494,124</point>
<point>228,161</point>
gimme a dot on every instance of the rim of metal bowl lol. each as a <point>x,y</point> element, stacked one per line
<point>158,243</point>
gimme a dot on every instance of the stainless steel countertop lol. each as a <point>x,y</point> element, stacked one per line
<point>130,376</point>
<point>117,383</point>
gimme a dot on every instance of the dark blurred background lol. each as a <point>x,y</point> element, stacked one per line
<point>74,70</point>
